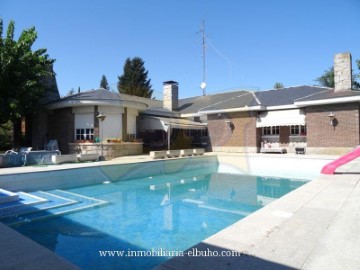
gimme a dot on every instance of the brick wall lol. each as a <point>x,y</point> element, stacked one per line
<point>243,133</point>
<point>61,128</point>
<point>345,133</point>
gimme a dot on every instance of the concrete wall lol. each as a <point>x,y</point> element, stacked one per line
<point>325,138</point>
<point>240,136</point>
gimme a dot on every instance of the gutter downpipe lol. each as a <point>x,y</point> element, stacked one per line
<point>168,133</point>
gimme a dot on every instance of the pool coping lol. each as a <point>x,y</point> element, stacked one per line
<point>263,238</point>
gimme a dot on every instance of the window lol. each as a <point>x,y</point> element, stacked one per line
<point>276,130</point>
<point>196,132</point>
<point>267,130</point>
<point>84,134</point>
<point>271,130</point>
<point>297,130</point>
<point>204,133</point>
<point>294,130</point>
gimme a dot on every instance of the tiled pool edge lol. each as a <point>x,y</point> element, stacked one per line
<point>300,230</point>
<point>64,177</point>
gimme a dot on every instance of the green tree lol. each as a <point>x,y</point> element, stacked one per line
<point>134,80</point>
<point>327,79</point>
<point>5,135</point>
<point>104,83</point>
<point>71,92</point>
<point>278,85</point>
<point>356,79</point>
<point>23,74</point>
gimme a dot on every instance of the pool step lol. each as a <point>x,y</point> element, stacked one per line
<point>8,196</point>
<point>24,203</point>
<point>58,202</point>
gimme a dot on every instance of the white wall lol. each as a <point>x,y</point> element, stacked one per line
<point>131,120</point>
<point>111,127</point>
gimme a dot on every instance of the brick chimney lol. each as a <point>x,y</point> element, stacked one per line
<point>170,95</point>
<point>342,72</point>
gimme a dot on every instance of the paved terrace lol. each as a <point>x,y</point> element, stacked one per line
<point>313,227</point>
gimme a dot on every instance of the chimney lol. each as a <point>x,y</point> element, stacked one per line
<point>342,72</point>
<point>170,95</point>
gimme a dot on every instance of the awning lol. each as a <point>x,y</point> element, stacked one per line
<point>281,118</point>
<point>163,123</point>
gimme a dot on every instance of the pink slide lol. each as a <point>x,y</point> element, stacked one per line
<point>332,166</point>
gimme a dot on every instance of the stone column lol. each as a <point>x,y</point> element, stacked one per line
<point>170,95</point>
<point>342,72</point>
<point>96,122</point>
<point>124,125</point>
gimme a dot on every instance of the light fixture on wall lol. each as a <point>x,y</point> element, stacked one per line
<point>101,118</point>
<point>332,118</point>
<point>230,124</point>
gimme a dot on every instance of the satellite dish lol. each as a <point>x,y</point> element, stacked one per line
<point>203,85</point>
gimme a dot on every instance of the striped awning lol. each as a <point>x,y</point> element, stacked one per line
<point>281,118</point>
<point>163,123</point>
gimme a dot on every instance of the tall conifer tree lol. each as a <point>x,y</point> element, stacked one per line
<point>104,83</point>
<point>134,80</point>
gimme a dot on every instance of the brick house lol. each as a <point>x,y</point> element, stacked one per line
<point>322,120</point>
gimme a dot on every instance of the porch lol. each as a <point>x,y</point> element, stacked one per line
<point>283,130</point>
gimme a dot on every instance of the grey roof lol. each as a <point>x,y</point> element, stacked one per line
<point>220,101</point>
<point>238,99</point>
<point>195,104</point>
<point>244,99</point>
<point>287,96</point>
<point>329,94</point>
<point>104,94</point>
<point>160,111</point>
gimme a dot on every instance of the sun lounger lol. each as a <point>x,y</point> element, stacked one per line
<point>11,160</point>
<point>300,150</point>
<point>39,157</point>
<point>273,150</point>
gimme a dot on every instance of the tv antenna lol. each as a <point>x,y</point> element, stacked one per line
<point>203,83</point>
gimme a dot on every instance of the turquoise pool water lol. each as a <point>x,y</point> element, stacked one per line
<point>161,212</point>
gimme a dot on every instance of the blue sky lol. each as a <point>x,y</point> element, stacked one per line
<point>251,43</point>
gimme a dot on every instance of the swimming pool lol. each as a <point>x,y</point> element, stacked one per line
<point>172,211</point>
